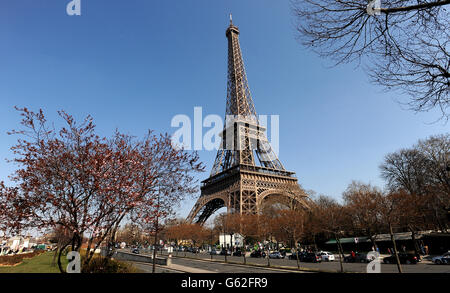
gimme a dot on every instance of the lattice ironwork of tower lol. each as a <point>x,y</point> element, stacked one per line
<point>246,172</point>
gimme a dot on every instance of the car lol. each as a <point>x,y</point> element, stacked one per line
<point>225,252</point>
<point>257,253</point>
<point>359,257</point>
<point>310,257</point>
<point>442,259</point>
<point>193,250</point>
<point>214,252</point>
<point>405,258</point>
<point>327,256</point>
<point>276,254</point>
<point>237,253</point>
<point>135,250</point>
<point>298,255</point>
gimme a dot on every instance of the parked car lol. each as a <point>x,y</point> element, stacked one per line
<point>192,249</point>
<point>135,250</point>
<point>442,259</point>
<point>276,254</point>
<point>405,258</point>
<point>310,257</point>
<point>225,252</point>
<point>359,257</point>
<point>327,256</point>
<point>296,255</point>
<point>257,253</point>
<point>214,252</point>
<point>237,253</point>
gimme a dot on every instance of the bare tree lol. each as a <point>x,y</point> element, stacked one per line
<point>266,229</point>
<point>331,218</point>
<point>130,234</point>
<point>248,228</point>
<point>422,170</point>
<point>405,169</point>
<point>291,223</point>
<point>391,214</point>
<point>362,201</point>
<point>404,43</point>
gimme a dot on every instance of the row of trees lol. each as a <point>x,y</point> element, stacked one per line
<point>71,178</point>
<point>416,198</point>
<point>73,181</point>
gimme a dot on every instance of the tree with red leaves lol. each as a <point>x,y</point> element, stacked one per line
<point>75,179</point>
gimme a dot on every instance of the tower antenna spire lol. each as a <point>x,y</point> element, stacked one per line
<point>231,19</point>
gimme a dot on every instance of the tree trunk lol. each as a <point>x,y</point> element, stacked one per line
<point>154,247</point>
<point>111,248</point>
<point>414,240</point>
<point>397,260</point>
<point>244,251</point>
<point>341,253</point>
<point>88,252</point>
<point>56,254</point>
<point>224,247</point>
<point>61,269</point>
<point>374,243</point>
<point>231,243</point>
<point>61,250</point>
<point>314,241</point>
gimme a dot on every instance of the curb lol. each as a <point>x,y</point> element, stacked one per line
<point>293,269</point>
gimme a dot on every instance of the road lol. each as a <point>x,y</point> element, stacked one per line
<point>206,264</point>
<point>185,265</point>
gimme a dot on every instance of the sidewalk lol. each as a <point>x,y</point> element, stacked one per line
<point>189,269</point>
<point>424,258</point>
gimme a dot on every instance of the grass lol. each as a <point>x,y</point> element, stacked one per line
<point>38,264</point>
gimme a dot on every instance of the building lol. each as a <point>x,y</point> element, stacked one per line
<point>225,240</point>
<point>437,242</point>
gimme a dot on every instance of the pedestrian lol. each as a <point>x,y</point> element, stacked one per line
<point>389,251</point>
<point>353,254</point>
<point>426,249</point>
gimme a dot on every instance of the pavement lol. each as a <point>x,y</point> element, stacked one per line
<point>189,265</point>
<point>174,268</point>
<point>219,266</point>
<point>202,261</point>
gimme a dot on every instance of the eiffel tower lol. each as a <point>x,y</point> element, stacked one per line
<point>246,173</point>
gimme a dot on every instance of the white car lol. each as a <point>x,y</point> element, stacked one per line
<point>326,256</point>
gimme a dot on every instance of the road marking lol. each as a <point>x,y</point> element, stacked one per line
<point>242,265</point>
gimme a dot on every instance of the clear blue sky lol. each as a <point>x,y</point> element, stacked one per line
<point>134,64</point>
